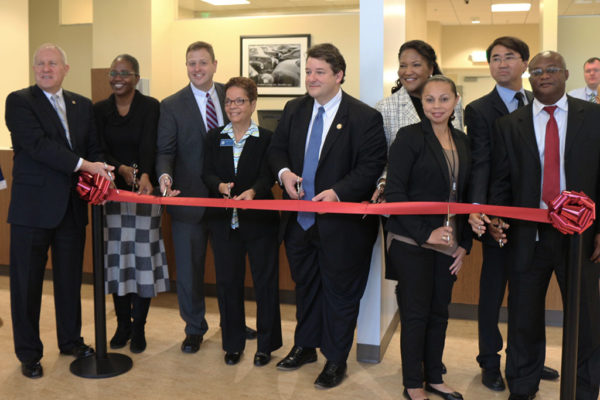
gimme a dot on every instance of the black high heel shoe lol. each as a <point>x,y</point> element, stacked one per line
<point>444,395</point>
<point>407,396</point>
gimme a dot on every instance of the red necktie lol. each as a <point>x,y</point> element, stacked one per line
<point>211,113</point>
<point>551,183</point>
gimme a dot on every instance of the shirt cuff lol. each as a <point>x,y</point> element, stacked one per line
<point>78,164</point>
<point>167,175</point>
<point>281,171</point>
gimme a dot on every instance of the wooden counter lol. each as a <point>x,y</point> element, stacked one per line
<point>466,288</point>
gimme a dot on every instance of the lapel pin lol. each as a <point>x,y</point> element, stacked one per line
<point>339,126</point>
<point>73,102</point>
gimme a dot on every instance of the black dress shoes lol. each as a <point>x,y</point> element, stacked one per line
<point>79,350</point>
<point>250,333</point>
<point>296,358</point>
<point>261,359</point>
<point>191,343</point>
<point>444,395</point>
<point>232,358</point>
<point>549,374</point>
<point>521,396</point>
<point>332,375</point>
<point>407,396</point>
<point>32,370</point>
<point>492,379</point>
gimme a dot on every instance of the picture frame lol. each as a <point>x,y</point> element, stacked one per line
<point>276,63</point>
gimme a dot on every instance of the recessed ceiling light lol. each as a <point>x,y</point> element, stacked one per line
<point>226,2</point>
<point>511,7</point>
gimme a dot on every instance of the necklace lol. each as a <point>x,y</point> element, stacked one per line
<point>452,166</point>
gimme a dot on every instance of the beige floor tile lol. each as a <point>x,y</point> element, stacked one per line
<point>164,372</point>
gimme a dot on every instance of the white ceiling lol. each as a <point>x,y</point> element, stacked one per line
<point>447,12</point>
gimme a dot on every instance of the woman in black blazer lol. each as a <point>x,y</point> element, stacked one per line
<point>235,166</point>
<point>428,161</point>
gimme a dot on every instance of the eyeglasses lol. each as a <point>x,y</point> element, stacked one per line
<point>507,59</point>
<point>540,71</point>
<point>123,74</point>
<point>238,102</point>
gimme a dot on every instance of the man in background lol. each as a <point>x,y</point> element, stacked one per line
<point>591,75</point>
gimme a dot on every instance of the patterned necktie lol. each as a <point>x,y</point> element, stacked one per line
<point>62,115</point>
<point>311,160</point>
<point>211,114</point>
<point>592,97</point>
<point>519,97</point>
<point>551,183</point>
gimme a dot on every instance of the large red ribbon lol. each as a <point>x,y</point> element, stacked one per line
<point>570,212</point>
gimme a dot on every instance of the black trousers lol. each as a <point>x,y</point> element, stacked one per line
<point>28,256</point>
<point>526,347</point>
<point>492,286</point>
<point>327,293</point>
<point>230,267</point>
<point>425,289</point>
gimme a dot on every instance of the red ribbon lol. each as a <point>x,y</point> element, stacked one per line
<point>570,212</point>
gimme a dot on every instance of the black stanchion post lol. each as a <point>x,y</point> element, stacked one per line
<point>102,364</point>
<point>568,383</point>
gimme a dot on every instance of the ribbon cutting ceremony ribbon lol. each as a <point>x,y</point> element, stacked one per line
<point>570,212</point>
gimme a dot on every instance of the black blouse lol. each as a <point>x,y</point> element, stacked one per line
<point>131,138</point>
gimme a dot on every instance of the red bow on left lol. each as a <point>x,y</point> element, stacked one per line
<point>93,188</point>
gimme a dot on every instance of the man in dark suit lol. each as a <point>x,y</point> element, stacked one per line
<point>507,58</point>
<point>543,148</point>
<point>185,117</point>
<point>334,147</point>
<point>53,137</point>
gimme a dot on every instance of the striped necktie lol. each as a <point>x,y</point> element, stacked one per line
<point>211,113</point>
<point>62,115</point>
<point>592,97</point>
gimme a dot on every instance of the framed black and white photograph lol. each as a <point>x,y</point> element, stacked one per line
<point>276,63</point>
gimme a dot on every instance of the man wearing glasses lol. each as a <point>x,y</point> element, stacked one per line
<point>548,146</point>
<point>507,58</point>
<point>185,117</point>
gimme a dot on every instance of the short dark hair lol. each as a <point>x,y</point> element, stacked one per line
<point>331,55</point>
<point>244,83</point>
<point>201,45</point>
<point>426,51</point>
<point>510,42</point>
<point>591,60</point>
<point>131,60</point>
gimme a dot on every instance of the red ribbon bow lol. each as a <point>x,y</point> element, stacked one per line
<point>572,212</point>
<point>93,188</point>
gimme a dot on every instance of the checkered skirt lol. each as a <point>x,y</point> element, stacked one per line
<point>134,252</point>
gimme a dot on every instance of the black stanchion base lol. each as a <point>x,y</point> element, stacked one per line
<point>96,367</point>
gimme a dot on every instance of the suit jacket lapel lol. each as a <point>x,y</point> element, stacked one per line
<point>248,155</point>
<point>43,104</point>
<point>462,151</point>
<point>529,96</point>
<point>407,109</point>
<point>527,130</point>
<point>300,131</point>
<point>70,107</point>
<point>338,127</point>
<point>437,150</point>
<point>193,110</point>
<point>497,102</point>
<point>574,122</point>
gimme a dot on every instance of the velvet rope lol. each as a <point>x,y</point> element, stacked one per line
<point>570,212</point>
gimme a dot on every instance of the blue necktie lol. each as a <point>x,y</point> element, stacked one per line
<point>311,160</point>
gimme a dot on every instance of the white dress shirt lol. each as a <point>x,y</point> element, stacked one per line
<point>540,119</point>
